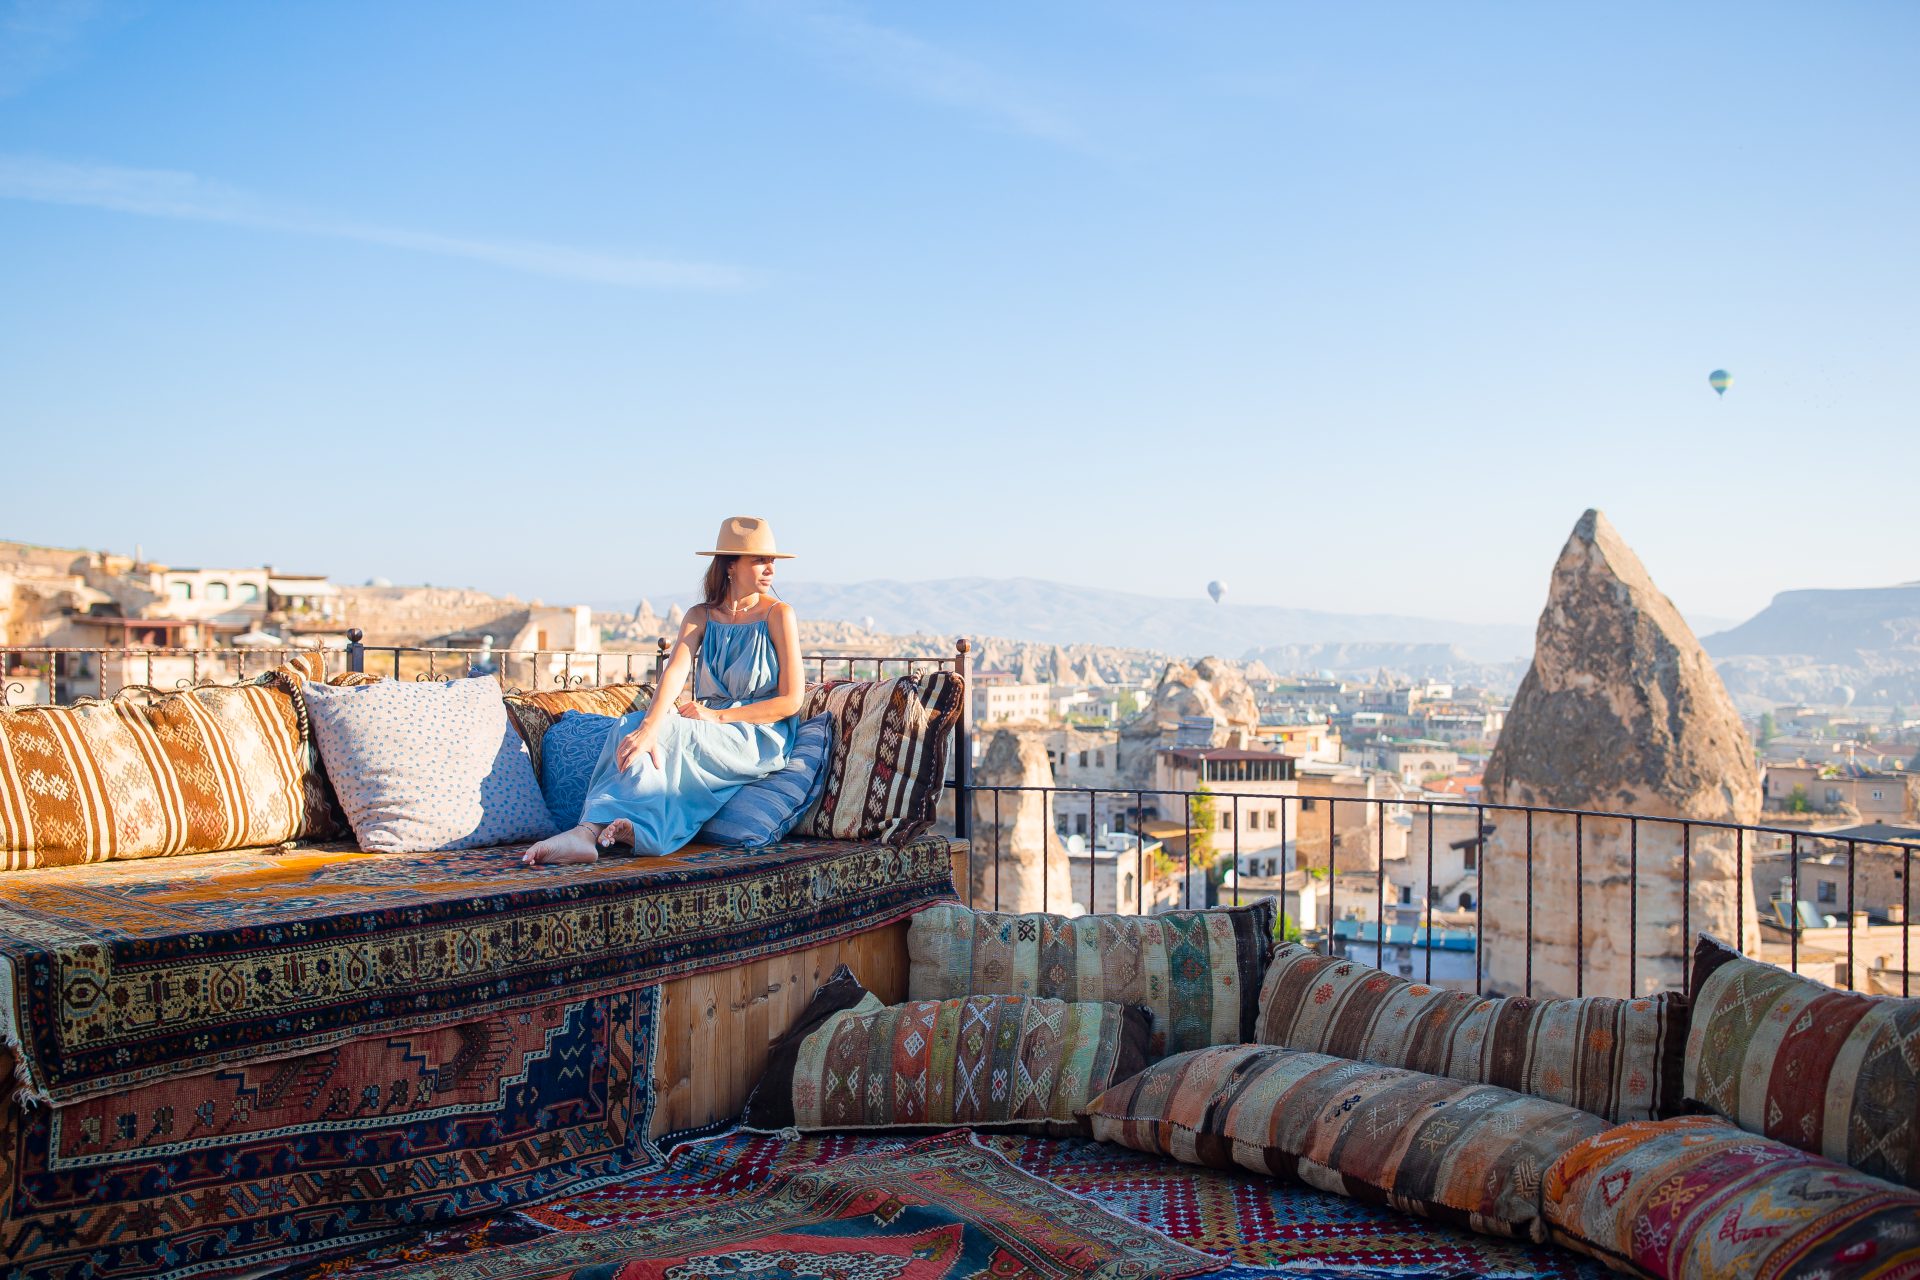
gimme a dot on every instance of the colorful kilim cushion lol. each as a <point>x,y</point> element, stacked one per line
<point>940,1209</point>
<point>1469,1154</point>
<point>1197,972</point>
<point>427,765</point>
<point>853,1063</point>
<point>1619,1059</point>
<point>889,759</point>
<point>1253,1220</point>
<point>128,972</point>
<point>264,1162</point>
<point>1696,1196</point>
<point>148,774</point>
<point>534,713</point>
<point>1826,1071</point>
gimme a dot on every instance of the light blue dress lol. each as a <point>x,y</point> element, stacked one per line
<point>706,761</point>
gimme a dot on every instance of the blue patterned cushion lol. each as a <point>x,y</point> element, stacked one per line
<point>761,812</point>
<point>421,766</point>
<point>568,752</point>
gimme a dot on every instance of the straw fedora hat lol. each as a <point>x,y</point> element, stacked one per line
<point>745,536</point>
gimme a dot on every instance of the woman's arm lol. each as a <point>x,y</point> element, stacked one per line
<point>784,627</point>
<point>672,681</point>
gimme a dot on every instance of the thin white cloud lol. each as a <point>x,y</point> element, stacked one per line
<point>40,37</point>
<point>164,193</point>
<point>926,71</point>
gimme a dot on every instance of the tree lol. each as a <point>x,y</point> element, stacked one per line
<point>1797,801</point>
<point>1769,729</point>
<point>1204,817</point>
<point>1285,930</point>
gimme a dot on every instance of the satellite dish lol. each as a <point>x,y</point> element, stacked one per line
<point>1719,380</point>
<point>1216,589</point>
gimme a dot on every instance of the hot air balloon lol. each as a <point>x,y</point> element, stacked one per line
<point>867,622</point>
<point>1216,589</point>
<point>1720,380</point>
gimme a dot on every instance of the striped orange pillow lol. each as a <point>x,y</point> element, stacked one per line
<point>147,774</point>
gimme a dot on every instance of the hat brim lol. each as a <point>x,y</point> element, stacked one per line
<point>756,555</point>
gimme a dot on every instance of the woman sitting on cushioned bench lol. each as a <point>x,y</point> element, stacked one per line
<point>666,770</point>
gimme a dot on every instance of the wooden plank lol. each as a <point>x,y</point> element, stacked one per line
<point>715,1028</point>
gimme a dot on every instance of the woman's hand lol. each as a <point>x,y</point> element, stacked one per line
<point>636,744</point>
<point>693,710</point>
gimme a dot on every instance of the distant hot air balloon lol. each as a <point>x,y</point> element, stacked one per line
<point>867,622</point>
<point>1720,380</point>
<point>1216,589</point>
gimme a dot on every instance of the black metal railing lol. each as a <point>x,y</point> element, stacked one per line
<point>1515,842</point>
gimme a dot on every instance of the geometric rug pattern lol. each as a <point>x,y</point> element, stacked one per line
<point>1253,1221</point>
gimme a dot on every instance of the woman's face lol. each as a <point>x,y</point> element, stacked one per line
<point>751,574</point>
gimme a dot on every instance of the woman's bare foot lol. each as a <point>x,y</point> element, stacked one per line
<point>619,831</point>
<point>567,849</point>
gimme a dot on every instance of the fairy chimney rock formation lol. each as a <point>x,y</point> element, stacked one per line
<point>1011,828</point>
<point>1620,711</point>
<point>1210,688</point>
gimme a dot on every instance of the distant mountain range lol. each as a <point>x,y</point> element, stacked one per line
<point>1058,613</point>
<point>1826,647</point>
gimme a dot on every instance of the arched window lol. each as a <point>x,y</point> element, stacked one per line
<point>216,591</point>
<point>1126,887</point>
<point>1466,902</point>
<point>249,592</point>
<point>182,591</point>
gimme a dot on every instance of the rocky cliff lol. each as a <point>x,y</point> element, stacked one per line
<point>1620,710</point>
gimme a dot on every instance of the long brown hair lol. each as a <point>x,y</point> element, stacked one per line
<point>713,588</point>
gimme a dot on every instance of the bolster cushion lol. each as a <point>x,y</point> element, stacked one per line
<point>1619,1059</point>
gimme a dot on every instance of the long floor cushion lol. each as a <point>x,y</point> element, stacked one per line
<point>1698,1196</point>
<point>1469,1154</point>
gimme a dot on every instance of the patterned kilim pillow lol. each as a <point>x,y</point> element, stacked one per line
<point>149,774</point>
<point>422,766</point>
<point>1469,1154</point>
<point>534,713</point>
<point>1695,1196</point>
<point>1619,1059</point>
<point>1826,1071</point>
<point>1198,972</point>
<point>986,1062</point>
<point>890,741</point>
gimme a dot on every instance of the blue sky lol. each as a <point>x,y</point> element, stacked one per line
<point>1356,307</point>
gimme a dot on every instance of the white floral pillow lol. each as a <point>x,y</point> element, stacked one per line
<point>421,766</point>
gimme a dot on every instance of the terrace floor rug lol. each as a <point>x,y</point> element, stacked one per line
<point>122,973</point>
<point>1262,1226</point>
<point>943,1208</point>
<point>339,1150</point>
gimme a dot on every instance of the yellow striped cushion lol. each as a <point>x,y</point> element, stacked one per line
<point>147,775</point>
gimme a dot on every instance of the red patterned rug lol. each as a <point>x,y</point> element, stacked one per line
<point>939,1209</point>
<point>1255,1222</point>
